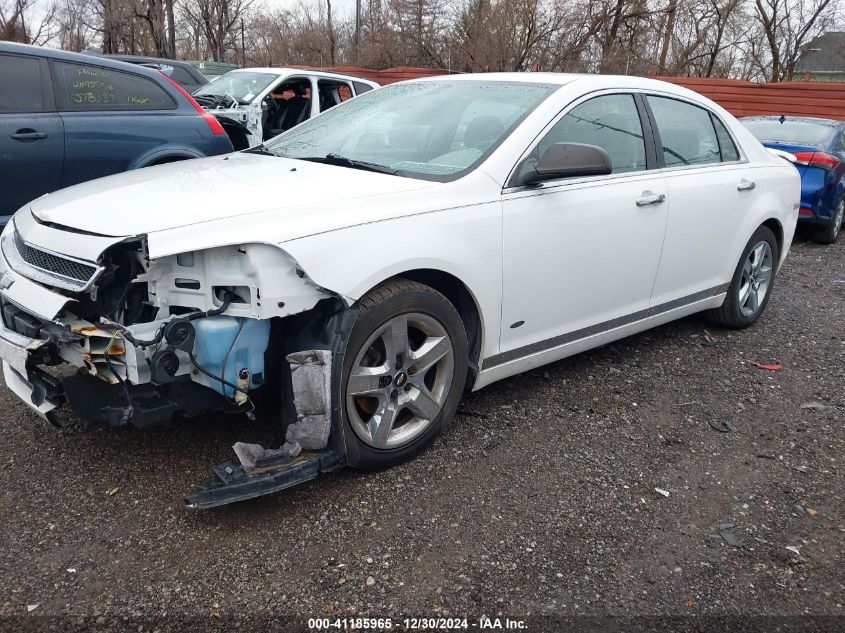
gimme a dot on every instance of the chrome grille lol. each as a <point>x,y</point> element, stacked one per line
<point>53,263</point>
<point>46,267</point>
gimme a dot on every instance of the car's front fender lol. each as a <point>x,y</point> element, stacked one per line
<point>465,243</point>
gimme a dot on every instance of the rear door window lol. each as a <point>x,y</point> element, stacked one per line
<point>686,131</point>
<point>20,84</point>
<point>361,88</point>
<point>83,88</point>
<point>726,143</point>
<point>333,93</point>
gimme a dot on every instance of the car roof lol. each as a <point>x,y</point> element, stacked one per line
<point>525,77</point>
<point>91,60</point>
<point>284,70</point>
<point>145,58</point>
<point>597,81</point>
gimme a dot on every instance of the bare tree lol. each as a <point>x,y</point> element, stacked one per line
<point>330,28</point>
<point>788,25</point>
<point>74,30</point>
<point>752,39</point>
<point>22,21</point>
<point>217,19</point>
<point>151,12</point>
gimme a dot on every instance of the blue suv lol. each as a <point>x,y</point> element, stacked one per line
<point>819,149</point>
<point>66,118</point>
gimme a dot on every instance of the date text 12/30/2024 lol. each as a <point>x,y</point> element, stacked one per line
<point>482,623</point>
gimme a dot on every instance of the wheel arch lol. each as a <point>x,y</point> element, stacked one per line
<point>464,301</point>
<point>163,156</point>
<point>776,227</point>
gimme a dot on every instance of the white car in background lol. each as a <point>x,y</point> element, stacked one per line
<point>369,265</point>
<point>256,104</point>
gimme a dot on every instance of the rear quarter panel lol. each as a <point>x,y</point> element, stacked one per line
<point>778,197</point>
<point>104,143</point>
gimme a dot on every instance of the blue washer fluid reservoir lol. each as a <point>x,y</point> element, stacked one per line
<point>238,341</point>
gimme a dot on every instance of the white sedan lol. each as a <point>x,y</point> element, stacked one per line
<point>364,268</point>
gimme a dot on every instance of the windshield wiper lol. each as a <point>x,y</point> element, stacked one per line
<point>260,149</point>
<point>343,161</point>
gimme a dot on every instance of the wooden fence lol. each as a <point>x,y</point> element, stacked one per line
<point>740,98</point>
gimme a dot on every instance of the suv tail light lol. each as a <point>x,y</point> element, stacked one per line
<point>821,160</point>
<point>211,120</point>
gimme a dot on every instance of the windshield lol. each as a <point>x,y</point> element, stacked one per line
<point>434,130</point>
<point>798,132</point>
<point>237,84</point>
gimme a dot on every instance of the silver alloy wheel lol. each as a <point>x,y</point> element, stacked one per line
<point>400,380</point>
<point>756,279</point>
<point>838,219</point>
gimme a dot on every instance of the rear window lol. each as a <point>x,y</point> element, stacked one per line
<point>82,88</point>
<point>182,77</point>
<point>798,132</point>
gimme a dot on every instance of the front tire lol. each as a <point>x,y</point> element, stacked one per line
<point>751,285</point>
<point>404,371</point>
<point>830,233</point>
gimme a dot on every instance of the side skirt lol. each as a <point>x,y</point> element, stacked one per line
<point>524,359</point>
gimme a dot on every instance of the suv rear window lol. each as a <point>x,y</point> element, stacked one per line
<point>182,77</point>
<point>20,84</point>
<point>82,88</point>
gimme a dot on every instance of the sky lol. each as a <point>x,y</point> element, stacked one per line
<point>339,7</point>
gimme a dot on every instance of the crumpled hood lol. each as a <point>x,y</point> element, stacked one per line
<point>202,190</point>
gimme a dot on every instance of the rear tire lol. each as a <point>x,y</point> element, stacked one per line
<point>830,233</point>
<point>404,372</point>
<point>751,285</point>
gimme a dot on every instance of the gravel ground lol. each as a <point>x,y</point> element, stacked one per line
<point>541,499</point>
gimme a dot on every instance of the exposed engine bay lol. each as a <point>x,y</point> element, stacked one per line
<point>181,335</point>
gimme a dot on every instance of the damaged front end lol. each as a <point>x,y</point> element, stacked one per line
<point>243,122</point>
<point>123,339</point>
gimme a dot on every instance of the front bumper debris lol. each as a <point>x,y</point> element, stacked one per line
<point>15,348</point>
<point>230,483</point>
<point>320,340</point>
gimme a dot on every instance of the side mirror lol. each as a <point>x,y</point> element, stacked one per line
<point>565,160</point>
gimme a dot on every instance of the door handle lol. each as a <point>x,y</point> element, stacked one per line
<point>26,134</point>
<point>746,185</point>
<point>657,198</point>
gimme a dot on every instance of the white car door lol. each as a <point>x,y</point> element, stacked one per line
<point>581,254</point>
<point>698,155</point>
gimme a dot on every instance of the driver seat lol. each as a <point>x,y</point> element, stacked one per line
<point>275,116</point>
<point>298,109</point>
